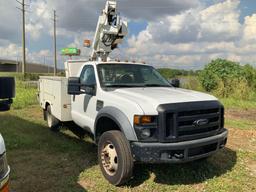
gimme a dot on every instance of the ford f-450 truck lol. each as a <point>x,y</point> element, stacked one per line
<point>134,114</point>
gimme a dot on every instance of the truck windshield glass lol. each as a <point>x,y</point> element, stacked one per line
<point>127,75</point>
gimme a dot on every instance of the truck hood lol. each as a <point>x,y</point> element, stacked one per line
<point>2,146</point>
<point>150,98</point>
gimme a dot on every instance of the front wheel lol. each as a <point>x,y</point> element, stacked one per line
<point>115,158</point>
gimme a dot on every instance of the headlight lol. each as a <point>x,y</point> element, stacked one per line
<point>146,127</point>
<point>3,165</point>
<point>145,133</point>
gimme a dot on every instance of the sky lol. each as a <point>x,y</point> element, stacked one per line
<point>185,34</point>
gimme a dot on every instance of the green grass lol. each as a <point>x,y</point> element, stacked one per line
<point>239,104</point>
<point>26,95</point>
<point>45,161</point>
<point>241,124</point>
<point>40,158</point>
<point>192,83</point>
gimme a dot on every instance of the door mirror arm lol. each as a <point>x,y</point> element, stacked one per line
<point>88,89</point>
<point>175,83</point>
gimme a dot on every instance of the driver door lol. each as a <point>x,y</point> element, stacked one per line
<point>84,105</point>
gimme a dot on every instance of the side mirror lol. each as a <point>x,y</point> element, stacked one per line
<point>175,83</point>
<point>74,86</point>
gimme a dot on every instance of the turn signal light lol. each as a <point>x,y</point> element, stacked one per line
<point>138,120</point>
<point>5,188</point>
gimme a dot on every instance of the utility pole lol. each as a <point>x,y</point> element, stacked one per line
<point>22,3</point>
<point>55,42</point>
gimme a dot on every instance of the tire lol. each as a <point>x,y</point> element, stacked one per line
<point>7,87</point>
<point>115,157</point>
<point>5,105</point>
<point>52,122</point>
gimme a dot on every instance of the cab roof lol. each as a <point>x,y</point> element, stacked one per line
<point>105,63</point>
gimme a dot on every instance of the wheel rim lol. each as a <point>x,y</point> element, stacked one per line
<point>109,158</point>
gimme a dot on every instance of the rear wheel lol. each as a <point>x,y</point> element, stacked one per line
<point>115,157</point>
<point>53,122</point>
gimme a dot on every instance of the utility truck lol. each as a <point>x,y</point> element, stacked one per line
<point>133,113</point>
<point>7,92</point>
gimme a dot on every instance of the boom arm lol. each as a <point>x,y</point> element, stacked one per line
<point>110,32</point>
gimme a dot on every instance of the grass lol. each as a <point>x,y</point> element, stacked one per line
<point>45,161</point>
<point>25,95</point>
<point>241,124</point>
<point>192,83</point>
<point>26,92</point>
<point>239,104</point>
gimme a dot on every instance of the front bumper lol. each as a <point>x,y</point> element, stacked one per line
<point>4,182</point>
<point>179,152</point>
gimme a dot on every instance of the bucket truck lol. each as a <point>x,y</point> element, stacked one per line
<point>133,113</point>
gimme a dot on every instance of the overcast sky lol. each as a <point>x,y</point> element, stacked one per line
<point>183,34</point>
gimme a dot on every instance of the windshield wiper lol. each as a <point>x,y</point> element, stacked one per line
<point>122,85</point>
<point>156,85</point>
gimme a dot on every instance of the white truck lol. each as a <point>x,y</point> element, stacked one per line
<point>7,92</point>
<point>134,114</point>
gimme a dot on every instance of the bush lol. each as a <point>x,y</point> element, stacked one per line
<point>234,88</point>
<point>192,83</point>
<point>174,73</point>
<point>220,70</point>
<point>250,75</point>
<point>229,79</point>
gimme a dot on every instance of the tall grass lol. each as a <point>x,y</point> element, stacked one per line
<point>235,94</point>
<point>26,93</point>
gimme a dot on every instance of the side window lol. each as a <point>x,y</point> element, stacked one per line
<point>88,76</point>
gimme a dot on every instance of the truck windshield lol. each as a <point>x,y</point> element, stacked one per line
<point>127,75</point>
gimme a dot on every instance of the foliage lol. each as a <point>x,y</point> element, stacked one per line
<point>174,73</point>
<point>219,70</point>
<point>250,75</point>
<point>228,79</point>
<point>25,95</point>
<point>192,83</point>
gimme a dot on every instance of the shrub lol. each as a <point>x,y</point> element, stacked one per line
<point>219,70</point>
<point>234,88</point>
<point>250,75</point>
<point>229,79</point>
<point>192,83</point>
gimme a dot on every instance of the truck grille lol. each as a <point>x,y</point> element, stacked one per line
<point>187,121</point>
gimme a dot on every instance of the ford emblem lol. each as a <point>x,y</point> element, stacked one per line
<point>200,122</point>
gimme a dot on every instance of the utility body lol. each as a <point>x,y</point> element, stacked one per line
<point>134,114</point>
